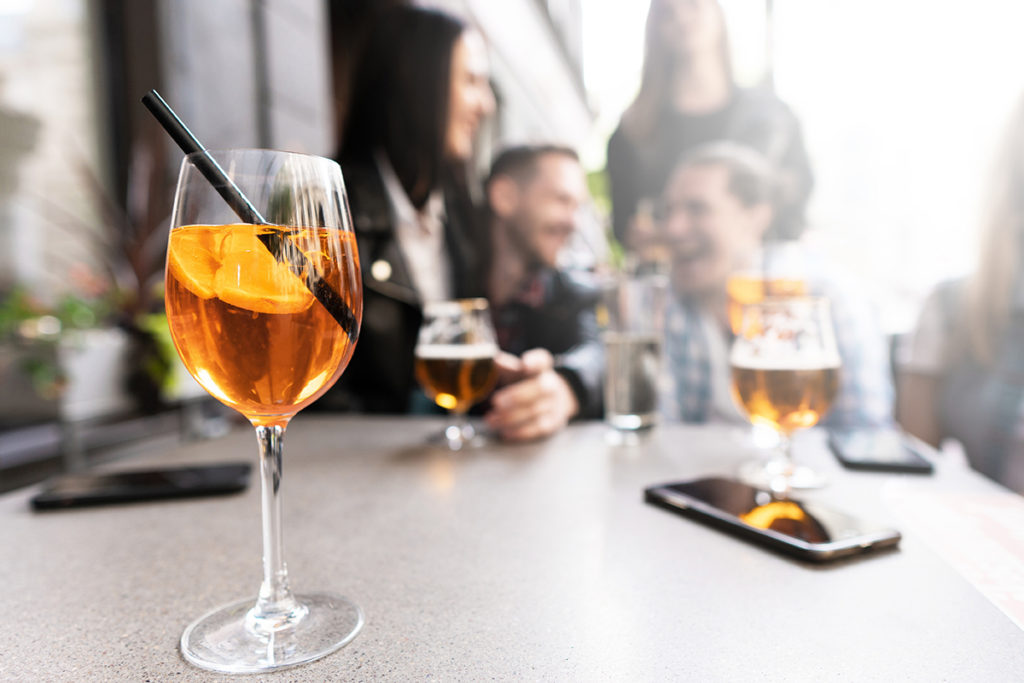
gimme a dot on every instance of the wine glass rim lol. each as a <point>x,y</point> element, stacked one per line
<point>217,152</point>
<point>777,301</point>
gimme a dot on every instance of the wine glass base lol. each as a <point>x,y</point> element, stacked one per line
<point>628,437</point>
<point>220,640</point>
<point>779,476</point>
<point>458,438</point>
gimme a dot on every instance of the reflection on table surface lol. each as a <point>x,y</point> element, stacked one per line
<point>536,561</point>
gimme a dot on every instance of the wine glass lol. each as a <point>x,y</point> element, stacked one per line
<point>455,353</point>
<point>264,303</point>
<point>785,374</point>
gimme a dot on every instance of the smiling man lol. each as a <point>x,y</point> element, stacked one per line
<point>716,210</point>
<point>544,316</point>
<point>715,213</point>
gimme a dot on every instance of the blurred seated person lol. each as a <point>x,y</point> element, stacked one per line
<point>715,214</point>
<point>961,371</point>
<point>418,98</point>
<point>544,316</point>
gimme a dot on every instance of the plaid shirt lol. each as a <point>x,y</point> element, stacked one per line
<point>689,360</point>
<point>696,349</point>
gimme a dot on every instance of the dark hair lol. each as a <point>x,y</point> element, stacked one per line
<point>659,66</point>
<point>520,162</point>
<point>400,96</point>
<point>752,178</point>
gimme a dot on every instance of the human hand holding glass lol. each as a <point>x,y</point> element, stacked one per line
<point>534,400</point>
<point>455,353</point>
<point>265,317</point>
<point>785,374</point>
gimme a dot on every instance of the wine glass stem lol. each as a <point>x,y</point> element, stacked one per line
<point>459,432</point>
<point>275,608</point>
<point>780,482</point>
<point>786,449</point>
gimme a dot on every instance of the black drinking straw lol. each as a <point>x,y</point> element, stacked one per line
<point>283,250</point>
<point>206,164</point>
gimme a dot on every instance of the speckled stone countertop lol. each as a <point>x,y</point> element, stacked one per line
<point>528,562</point>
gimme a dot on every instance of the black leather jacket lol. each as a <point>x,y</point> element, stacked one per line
<point>557,312</point>
<point>379,378</point>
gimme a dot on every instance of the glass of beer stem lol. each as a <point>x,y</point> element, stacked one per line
<point>265,314</point>
<point>455,353</point>
<point>785,374</point>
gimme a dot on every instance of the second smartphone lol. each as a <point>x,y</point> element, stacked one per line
<point>806,530</point>
<point>879,450</point>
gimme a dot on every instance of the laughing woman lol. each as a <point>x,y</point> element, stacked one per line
<point>414,112</point>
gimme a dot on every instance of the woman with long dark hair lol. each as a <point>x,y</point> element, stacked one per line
<point>417,101</point>
<point>687,98</point>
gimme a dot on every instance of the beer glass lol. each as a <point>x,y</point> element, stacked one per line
<point>264,303</point>
<point>785,374</point>
<point>455,366</point>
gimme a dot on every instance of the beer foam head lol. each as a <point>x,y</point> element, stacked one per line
<point>745,357</point>
<point>453,351</point>
<point>454,307</point>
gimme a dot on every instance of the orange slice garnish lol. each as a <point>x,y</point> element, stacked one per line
<point>193,258</point>
<point>231,263</point>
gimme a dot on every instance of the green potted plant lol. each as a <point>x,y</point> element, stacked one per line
<point>100,347</point>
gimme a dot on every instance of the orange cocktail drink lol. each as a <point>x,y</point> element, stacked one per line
<point>245,324</point>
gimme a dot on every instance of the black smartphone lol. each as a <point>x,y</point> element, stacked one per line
<point>803,529</point>
<point>879,450</point>
<point>77,490</point>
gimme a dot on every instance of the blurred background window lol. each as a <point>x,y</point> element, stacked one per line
<point>49,134</point>
<point>902,104</point>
